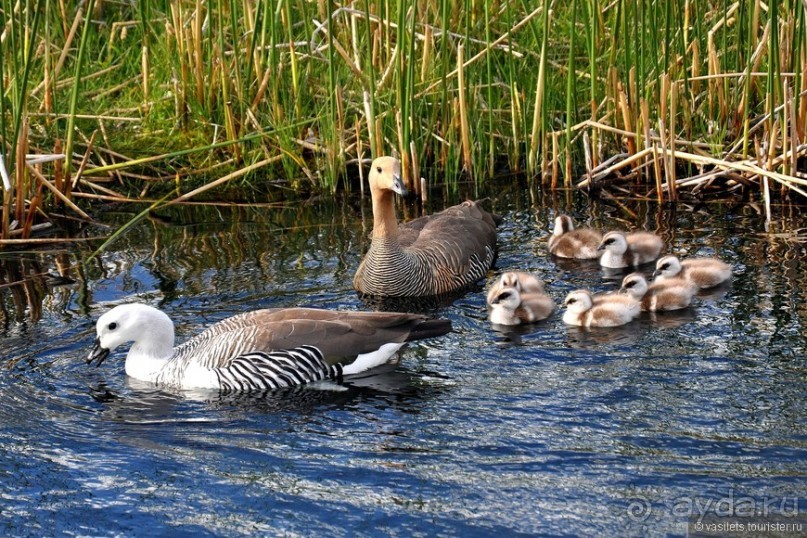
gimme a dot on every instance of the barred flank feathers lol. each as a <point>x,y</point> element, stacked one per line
<point>276,369</point>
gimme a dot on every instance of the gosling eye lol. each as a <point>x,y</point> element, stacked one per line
<point>378,169</point>
<point>630,284</point>
<point>112,326</point>
<point>665,266</point>
<point>571,301</point>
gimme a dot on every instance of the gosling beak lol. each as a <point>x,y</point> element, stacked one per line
<point>601,246</point>
<point>97,353</point>
<point>656,273</point>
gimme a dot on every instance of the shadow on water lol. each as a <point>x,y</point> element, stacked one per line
<point>536,429</point>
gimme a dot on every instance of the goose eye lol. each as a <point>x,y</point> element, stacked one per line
<point>112,326</point>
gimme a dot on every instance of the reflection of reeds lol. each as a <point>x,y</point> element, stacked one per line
<point>707,99</point>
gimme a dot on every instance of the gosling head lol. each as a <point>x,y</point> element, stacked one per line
<point>563,224</point>
<point>508,298</point>
<point>614,242</point>
<point>578,301</point>
<point>668,267</point>
<point>385,174</point>
<point>635,285</point>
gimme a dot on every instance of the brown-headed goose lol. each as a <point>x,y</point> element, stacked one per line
<point>258,350</point>
<point>629,250</point>
<point>670,294</point>
<point>431,255</point>
<point>511,307</point>
<point>701,272</point>
<point>520,280</point>
<point>567,241</point>
<point>609,310</point>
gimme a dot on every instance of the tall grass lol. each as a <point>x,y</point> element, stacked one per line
<point>684,93</point>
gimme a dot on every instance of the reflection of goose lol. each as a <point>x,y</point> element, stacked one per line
<point>669,294</point>
<point>608,310</point>
<point>629,250</point>
<point>510,307</point>
<point>702,272</point>
<point>258,350</point>
<point>431,255</point>
<point>570,242</point>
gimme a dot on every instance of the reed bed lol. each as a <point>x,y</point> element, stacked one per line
<point>166,101</point>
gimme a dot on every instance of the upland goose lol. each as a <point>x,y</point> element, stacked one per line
<point>431,255</point>
<point>669,294</point>
<point>702,272</point>
<point>258,350</point>
<point>522,281</point>
<point>567,241</point>
<point>629,250</point>
<point>511,307</point>
<point>609,310</point>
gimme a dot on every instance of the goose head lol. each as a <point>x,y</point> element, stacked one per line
<point>578,301</point>
<point>563,224</point>
<point>385,175</point>
<point>614,242</point>
<point>635,285</point>
<point>151,330</point>
<point>668,267</point>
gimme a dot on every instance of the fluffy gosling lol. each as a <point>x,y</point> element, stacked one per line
<point>511,307</point>
<point>629,250</point>
<point>609,310</point>
<point>568,242</point>
<point>670,294</point>
<point>701,272</point>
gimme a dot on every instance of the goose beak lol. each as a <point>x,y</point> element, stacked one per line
<point>398,186</point>
<point>97,353</point>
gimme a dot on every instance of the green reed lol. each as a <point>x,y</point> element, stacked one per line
<point>457,88</point>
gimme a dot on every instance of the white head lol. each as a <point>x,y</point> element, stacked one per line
<point>635,285</point>
<point>150,329</point>
<point>578,301</point>
<point>508,299</point>
<point>668,267</point>
<point>563,224</point>
<point>614,242</point>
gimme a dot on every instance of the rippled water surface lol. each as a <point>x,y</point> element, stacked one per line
<point>544,430</point>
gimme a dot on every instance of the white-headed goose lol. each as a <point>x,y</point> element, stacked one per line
<point>258,350</point>
<point>522,281</point>
<point>511,307</point>
<point>629,250</point>
<point>431,255</point>
<point>567,241</point>
<point>702,272</point>
<point>609,310</point>
<point>670,294</point>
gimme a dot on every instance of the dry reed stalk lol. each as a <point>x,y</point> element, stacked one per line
<point>482,53</point>
<point>626,118</point>
<point>413,152</point>
<point>225,179</point>
<point>47,240</point>
<point>68,188</point>
<point>555,150</point>
<point>427,50</point>
<point>65,50</point>
<point>672,137</point>
<point>587,156</point>
<point>650,145</point>
<point>465,130</point>
<point>198,62</point>
<point>20,191</point>
<point>69,203</point>
<point>622,163</point>
<point>515,123</point>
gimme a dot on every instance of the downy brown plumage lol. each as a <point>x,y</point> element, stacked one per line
<point>629,250</point>
<point>608,310</point>
<point>669,294</point>
<point>567,241</point>
<point>701,272</point>
<point>431,255</point>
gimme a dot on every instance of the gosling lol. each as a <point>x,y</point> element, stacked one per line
<point>511,307</point>
<point>701,272</point>
<point>669,294</point>
<point>568,242</point>
<point>610,310</point>
<point>522,281</point>
<point>629,250</point>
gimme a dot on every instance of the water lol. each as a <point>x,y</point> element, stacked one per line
<point>543,430</point>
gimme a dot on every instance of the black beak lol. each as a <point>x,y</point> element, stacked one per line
<point>656,273</point>
<point>398,186</point>
<point>601,247</point>
<point>97,353</point>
